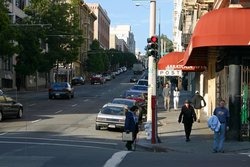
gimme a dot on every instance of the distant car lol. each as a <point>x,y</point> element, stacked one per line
<point>133,79</point>
<point>9,107</point>
<point>78,81</point>
<point>111,116</point>
<point>61,90</point>
<point>97,78</point>
<point>107,76</point>
<point>142,82</point>
<point>140,88</point>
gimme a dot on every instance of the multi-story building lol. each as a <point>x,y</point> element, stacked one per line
<point>7,72</point>
<point>87,19</point>
<point>101,25</point>
<point>124,32</point>
<point>216,35</point>
<point>177,30</point>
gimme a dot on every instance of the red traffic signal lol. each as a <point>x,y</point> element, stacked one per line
<point>154,39</point>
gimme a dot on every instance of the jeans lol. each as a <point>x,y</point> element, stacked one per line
<point>219,138</point>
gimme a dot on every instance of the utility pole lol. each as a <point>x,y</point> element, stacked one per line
<point>151,79</point>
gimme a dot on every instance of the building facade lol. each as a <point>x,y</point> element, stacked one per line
<point>209,38</point>
<point>101,25</point>
<point>124,32</point>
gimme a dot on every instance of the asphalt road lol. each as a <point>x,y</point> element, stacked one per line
<point>61,133</point>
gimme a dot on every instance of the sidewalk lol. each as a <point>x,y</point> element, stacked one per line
<point>172,136</point>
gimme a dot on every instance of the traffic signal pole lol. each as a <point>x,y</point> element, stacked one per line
<point>151,79</point>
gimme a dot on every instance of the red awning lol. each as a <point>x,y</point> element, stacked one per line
<point>174,60</point>
<point>221,27</point>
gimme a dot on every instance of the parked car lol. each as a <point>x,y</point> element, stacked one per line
<point>139,96</point>
<point>9,107</point>
<point>61,90</point>
<point>111,116</point>
<point>142,82</point>
<point>78,81</point>
<point>97,78</point>
<point>107,76</point>
<point>142,112</point>
<point>139,88</point>
<point>133,79</point>
<point>128,102</point>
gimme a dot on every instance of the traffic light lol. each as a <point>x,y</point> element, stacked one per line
<point>152,47</point>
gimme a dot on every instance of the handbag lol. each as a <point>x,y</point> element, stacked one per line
<point>127,136</point>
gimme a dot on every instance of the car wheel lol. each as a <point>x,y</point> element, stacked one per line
<point>1,116</point>
<point>72,96</point>
<point>20,113</point>
<point>69,96</point>
<point>50,97</point>
<point>97,127</point>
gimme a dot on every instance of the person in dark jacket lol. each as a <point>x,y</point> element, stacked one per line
<point>187,117</point>
<point>198,103</point>
<point>131,125</point>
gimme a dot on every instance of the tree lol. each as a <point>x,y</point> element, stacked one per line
<point>7,33</point>
<point>62,36</point>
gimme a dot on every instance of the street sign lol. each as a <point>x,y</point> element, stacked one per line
<point>170,72</point>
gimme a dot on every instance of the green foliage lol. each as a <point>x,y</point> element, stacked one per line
<point>100,60</point>
<point>60,31</point>
<point>7,32</point>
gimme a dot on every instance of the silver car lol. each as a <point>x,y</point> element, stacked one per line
<point>111,116</point>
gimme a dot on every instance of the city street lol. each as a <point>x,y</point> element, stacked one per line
<point>62,133</point>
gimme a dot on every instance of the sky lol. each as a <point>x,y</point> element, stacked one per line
<point>136,13</point>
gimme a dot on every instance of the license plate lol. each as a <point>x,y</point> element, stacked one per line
<point>111,126</point>
<point>57,94</point>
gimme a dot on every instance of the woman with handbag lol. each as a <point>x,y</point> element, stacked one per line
<point>131,125</point>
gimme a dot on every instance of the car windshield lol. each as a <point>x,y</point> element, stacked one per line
<point>113,110</point>
<point>126,102</point>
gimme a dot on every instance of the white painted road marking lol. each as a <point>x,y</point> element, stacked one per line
<point>116,159</point>
<point>74,105</point>
<point>36,120</point>
<point>248,154</point>
<point>62,140</point>
<point>86,100</point>
<point>32,104</point>
<point>58,111</point>
<point>3,134</point>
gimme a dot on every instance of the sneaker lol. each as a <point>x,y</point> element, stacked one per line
<point>221,151</point>
<point>199,121</point>
<point>215,151</point>
<point>187,140</point>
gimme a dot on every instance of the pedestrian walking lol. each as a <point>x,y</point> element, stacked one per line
<point>222,114</point>
<point>166,92</point>
<point>176,97</point>
<point>198,103</point>
<point>131,125</point>
<point>187,117</point>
